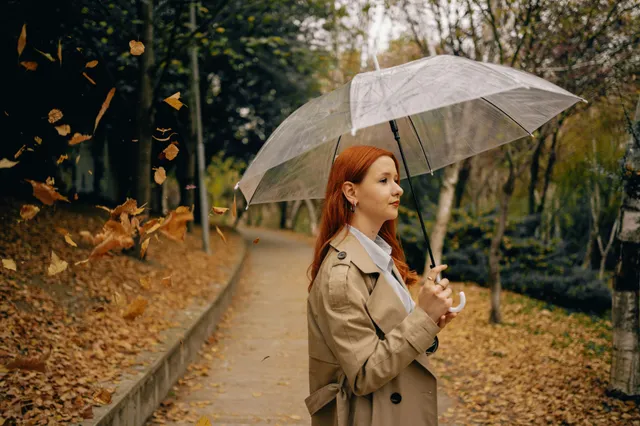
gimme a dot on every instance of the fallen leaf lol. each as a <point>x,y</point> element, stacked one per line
<point>171,152</point>
<point>174,101</point>
<point>160,175</point>
<point>69,241</point>
<point>102,396</point>
<point>257,394</point>
<point>105,105</point>
<point>46,55</point>
<point>22,40</point>
<point>89,78</point>
<point>9,264</point>
<point>54,115</point>
<point>145,282</point>
<point>256,241</point>
<point>29,211</point>
<point>17,154</point>
<point>294,417</point>
<point>38,139</point>
<point>135,308</point>
<point>63,130</point>
<point>33,363</point>
<point>203,421</point>
<point>136,48</point>
<point>166,281</point>
<point>221,234</point>
<point>78,138</point>
<point>57,265</point>
<point>45,193</point>
<point>91,64</point>
<point>29,65</point>
<point>62,158</point>
<point>143,247</point>
<point>7,164</point>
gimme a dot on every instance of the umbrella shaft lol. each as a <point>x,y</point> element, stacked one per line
<point>396,135</point>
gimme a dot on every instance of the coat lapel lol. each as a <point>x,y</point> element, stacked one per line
<point>384,306</point>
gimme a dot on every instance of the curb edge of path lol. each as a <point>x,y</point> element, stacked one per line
<point>144,393</point>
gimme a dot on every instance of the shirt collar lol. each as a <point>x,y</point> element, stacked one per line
<point>379,250</point>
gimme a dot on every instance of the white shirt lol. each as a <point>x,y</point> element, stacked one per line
<point>380,252</point>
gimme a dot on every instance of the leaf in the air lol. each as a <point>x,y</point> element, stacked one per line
<point>60,51</point>
<point>45,193</point>
<point>91,64</point>
<point>220,210</point>
<point>105,105</point>
<point>9,264</point>
<point>221,234</point>
<point>54,115</point>
<point>143,247</point>
<point>62,158</point>
<point>7,164</point>
<point>174,101</point>
<point>22,40</point>
<point>135,308</point>
<point>78,138</point>
<point>29,211</point>
<point>160,175</point>
<point>19,153</point>
<point>46,55</point>
<point>136,48</point>
<point>89,78</point>
<point>63,130</point>
<point>171,152</point>
<point>29,65</point>
<point>57,265</point>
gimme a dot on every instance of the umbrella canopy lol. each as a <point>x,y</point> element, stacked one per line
<point>447,108</point>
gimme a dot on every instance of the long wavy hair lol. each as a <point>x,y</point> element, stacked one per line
<point>352,165</point>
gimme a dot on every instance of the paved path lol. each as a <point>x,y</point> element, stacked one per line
<point>267,318</point>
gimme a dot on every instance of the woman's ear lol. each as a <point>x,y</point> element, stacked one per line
<point>349,191</point>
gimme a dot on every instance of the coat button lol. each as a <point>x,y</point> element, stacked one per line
<point>342,255</point>
<point>396,398</point>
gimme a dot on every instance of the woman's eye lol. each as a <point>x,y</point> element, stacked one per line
<point>384,180</point>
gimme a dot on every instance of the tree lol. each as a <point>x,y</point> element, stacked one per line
<point>625,364</point>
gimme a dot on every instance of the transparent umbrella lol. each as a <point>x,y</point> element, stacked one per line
<point>431,112</point>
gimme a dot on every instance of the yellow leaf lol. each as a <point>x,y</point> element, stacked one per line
<point>17,154</point>
<point>28,211</point>
<point>38,139</point>
<point>57,265</point>
<point>60,51</point>
<point>174,101</point>
<point>69,241</point>
<point>77,158</point>
<point>22,40</point>
<point>163,130</point>
<point>9,264</point>
<point>91,64</point>
<point>145,282</point>
<point>105,105</point>
<point>89,78</point>
<point>221,234</point>
<point>166,281</point>
<point>54,115</point>
<point>219,210</point>
<point>136,48</point>
<point>78,138</point>
<point>7,164</point>
<point>63,130</point>
<point>143,247</point>
<point>203,421</point>
<point>102,396</point>
<point>29,65</point>
<point>50,181</point>
<point>46,55</point>
<point>62,158</point>
<point>257,394</point>
<point>160,175</point>
<point>135,308</point>
<point>90,172</point>
<point>46,193</point>
<point>294,417</point>
<point>256,241</point>
<point>171,152</point>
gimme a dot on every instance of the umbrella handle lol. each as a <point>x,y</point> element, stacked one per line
<point>463,301</point>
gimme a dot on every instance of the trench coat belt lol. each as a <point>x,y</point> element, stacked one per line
<point>326,394</point>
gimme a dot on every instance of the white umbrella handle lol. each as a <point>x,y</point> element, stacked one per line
<point>463,299</point>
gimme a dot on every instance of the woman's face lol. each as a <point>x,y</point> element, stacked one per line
<point>378,191</point>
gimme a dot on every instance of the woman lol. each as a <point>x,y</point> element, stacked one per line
<point>368,340</point>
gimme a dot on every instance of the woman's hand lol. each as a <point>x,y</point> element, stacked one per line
<point>435,300</point>
<point>446,319</point>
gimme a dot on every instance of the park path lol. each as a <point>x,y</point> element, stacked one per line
<point>257,364</point>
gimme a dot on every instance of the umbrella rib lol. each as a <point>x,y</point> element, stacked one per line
<point>499,109</point>
<point>420,142</point>
<point>336,150</point>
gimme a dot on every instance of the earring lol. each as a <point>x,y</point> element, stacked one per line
<point>353,206</point>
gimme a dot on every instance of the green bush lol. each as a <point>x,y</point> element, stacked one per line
<point>546,272</point>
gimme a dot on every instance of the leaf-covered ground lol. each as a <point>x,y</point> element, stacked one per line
<point>66,338</point>
<point>541,366</point>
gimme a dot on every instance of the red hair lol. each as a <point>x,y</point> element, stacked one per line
<point>352,165</point>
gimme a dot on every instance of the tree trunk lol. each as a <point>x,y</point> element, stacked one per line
<point>535,167</point>
<point>313,216</point>
<point>625,364</point>
<point>196,118</point>
<point>145,119</point>
<point>292,213</point>
<point>283,214</point>
<point>445,202</point>
<point>463,178</point>
<point>494,251</point>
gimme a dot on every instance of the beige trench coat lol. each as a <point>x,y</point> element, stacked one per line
<point>367,358</point>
